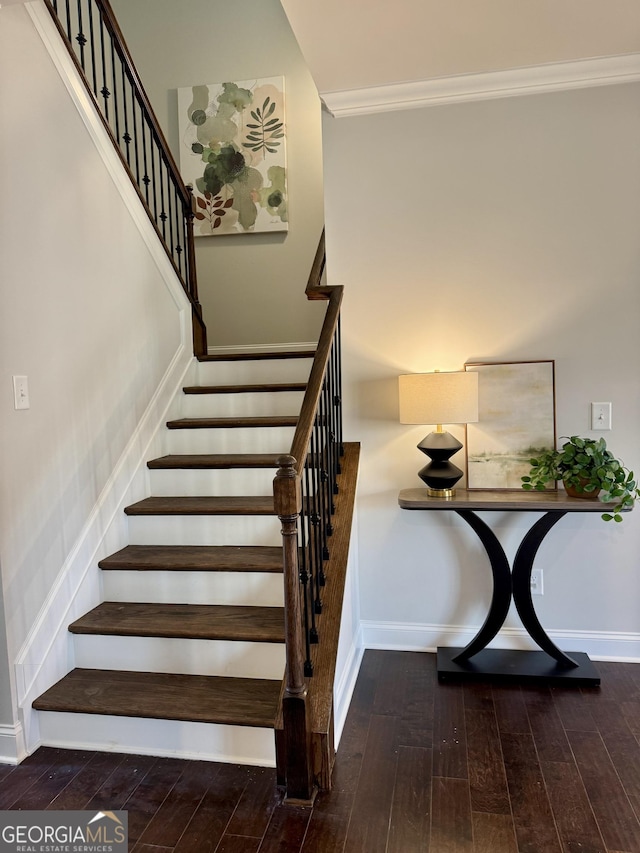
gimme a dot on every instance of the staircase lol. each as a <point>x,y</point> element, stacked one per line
<point>191,630</point>
<point>235,572</point>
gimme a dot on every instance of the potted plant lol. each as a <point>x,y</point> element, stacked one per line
<point>588,470</point>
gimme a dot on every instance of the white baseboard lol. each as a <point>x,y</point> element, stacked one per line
<point>343,690</point>
<point>12,745</point>
<point>299,346</point>
<point>599,645</point>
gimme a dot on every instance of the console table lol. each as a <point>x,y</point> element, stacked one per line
<point>475,661</point>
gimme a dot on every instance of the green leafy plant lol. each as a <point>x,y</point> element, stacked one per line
<point>588,467</point>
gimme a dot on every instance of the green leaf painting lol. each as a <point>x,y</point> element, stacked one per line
<point>266,133</point>
<point>233,153</point>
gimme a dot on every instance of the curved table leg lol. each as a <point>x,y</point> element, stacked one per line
<point>501,598</point>
<point>521,580</point>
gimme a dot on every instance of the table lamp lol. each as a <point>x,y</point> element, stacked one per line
<point>439,398</point>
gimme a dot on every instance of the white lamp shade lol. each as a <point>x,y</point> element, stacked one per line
<point>438,398</point>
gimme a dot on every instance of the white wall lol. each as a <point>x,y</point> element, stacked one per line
<point>87,314</point>
<point>251,286</point>
<point>501,230</point>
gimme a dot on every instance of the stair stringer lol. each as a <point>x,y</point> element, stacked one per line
<point>48,653</point>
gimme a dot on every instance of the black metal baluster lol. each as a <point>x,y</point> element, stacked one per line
<point>339,396</point>
<point>163,212</point>
<point>135,135</point>
<point>304,583</point>
<point>175,218</point>
<point>308,511</point>
<point>170,197</point>
<point>80,38</point>
<point>154,186</point>
<point>325,510</point>
<point>69,28</point>
<point>329,439</point>
<point>335,457</point>
<point>184,244</point>
<point>127,136</point>
<point>104,91</point>
<point>116,111</point>
<point>146,179</point>
<point>317,521</point>
<point>94,77</point>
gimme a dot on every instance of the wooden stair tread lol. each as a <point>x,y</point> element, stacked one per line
<point>165,696</point>
<point>234,423</point>
<point>207,505</point>
<point>185,621</point>
<point>195,558</point>
<point>245,389</point>
<point>216,460</point>
<point>258,356</point>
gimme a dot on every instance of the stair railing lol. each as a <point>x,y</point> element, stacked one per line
<point>97,47</point>
<point>304,490</point>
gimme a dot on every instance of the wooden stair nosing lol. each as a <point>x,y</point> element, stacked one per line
<point>195,558</point>
<point>258,356</point>
<point>206,505</point>
<point>245,389</point>
<point>234,423</point>
<point>239,623</point>
<point>165,696</point>
<point>215,461</point>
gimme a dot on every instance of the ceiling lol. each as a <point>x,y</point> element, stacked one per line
<point>355,44</point>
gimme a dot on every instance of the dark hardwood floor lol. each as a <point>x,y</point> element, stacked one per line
<point>422,768</point>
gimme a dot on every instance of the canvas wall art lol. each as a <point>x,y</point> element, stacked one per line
<point>516,408</point>
<point>233,153</point>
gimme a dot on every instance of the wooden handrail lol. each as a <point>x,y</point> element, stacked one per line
<point>314,289</point>
<point>309,407</point>
<point>103,62</point>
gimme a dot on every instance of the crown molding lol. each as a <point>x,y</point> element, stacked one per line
<point>463,88</point>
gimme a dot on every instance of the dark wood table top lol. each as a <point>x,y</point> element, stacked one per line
<point>495,499</point>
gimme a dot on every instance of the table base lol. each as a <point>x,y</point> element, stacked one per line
<point>516,665</point>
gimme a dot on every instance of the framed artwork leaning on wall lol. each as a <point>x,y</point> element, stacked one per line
<point>517,420</point>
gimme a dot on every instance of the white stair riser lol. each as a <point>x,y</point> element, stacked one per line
<point>188,657</point>
<point>254,372</point>
<point>204,530</point>
<point>225,481</point>
<point>202,741</point>
<point>238,440</point>
<point>240,588</point>
<point>244,405</point>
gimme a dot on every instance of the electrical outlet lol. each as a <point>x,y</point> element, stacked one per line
<point>537,582</point>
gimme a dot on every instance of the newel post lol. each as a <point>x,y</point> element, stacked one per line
<point>297,727</point>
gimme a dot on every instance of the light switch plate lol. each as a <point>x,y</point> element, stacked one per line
<point>20,392</point>
<point>601,416</point>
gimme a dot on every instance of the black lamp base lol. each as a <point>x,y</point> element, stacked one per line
<point>440,475</point>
